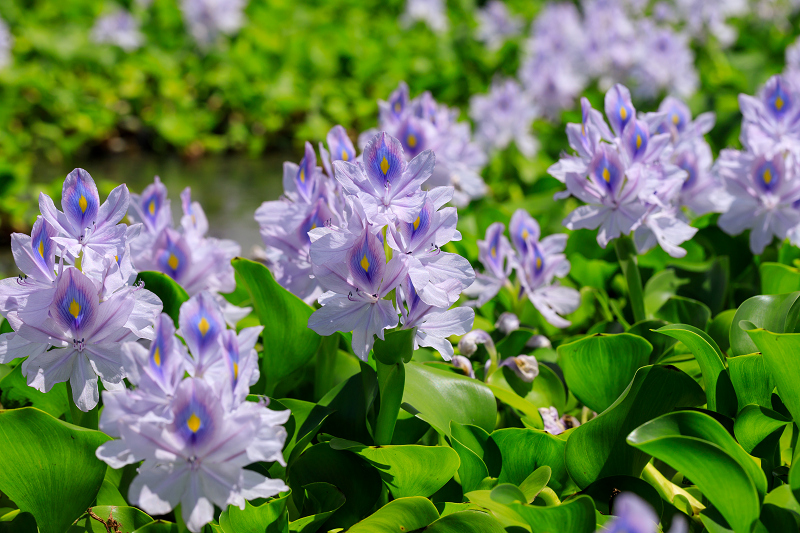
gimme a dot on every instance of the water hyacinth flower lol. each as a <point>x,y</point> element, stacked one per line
<point>86,228</point>
<point>634,515</point>
<point>771,119</point>
<point>35,256</point>
<point>468,344</point>
<point>496,256</point>
<point>119,28</point>
<point>430,12</point>
<point>504,115</point>
<point>463,364</point>
<point>667,62</point>
<point>507,323</point>
<point>526,367</point>
<point>496,24</point>
<point>206,19</point>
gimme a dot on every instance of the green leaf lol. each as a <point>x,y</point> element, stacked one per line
<point>751,380</point>
<point>759,429</point>
<point>659,288</point>
<point>356,478</point>
<point>469,443</point>
<point>604,490</point>
<point>439,397</point>
<point>269,517</point>
<point>576,516</point>
<point>288,342</point>
<point>513,344</point>
<point>507,493</point>
<point>525,450</point>
<point>128,518</point>
<point>700,448</point>
<point>158,526</point>
<point>680,310</point>
<point>397,346</point>
<point>775,312</point>
<point>720,395</point>
<point>720,329</point>
<point>794,479</point>
<point>535,482</point>
<point>49,467</point>
<point>408,470</point>
<point>18,522</point>
<point>598,368</point>
<point>172,295</point>
<point>660,343</point>
<point>15,390</point>
<point>110,495</point>
<point>306,419</point>
<point>781,352</point>
<point>391,381</point>
<point>321,501</point>
<point>598,449</point>
<point>778,279</point>
<point>398,516</point>
<point>466,522</point>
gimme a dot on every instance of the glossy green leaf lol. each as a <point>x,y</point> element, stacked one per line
<point>397,346</point>
<point>439,397</point>
<point>781,354</point>
<point>359,481</point>
<point>598,449</point>
<point>720,329</point>
<point>524,450</point>
<point>18,522</point>
<point>15,391</point>
<point>751,380</point>
<point>659,288</point>
<point>513,344</point>
<point>466,522</point>
<point>110,495</point>
<point>49,467</point>
<point>699,447</point>
<point>469,442</point>
<point>576,516</point>
<point>599,367</point>
<point>661,344</point>
<point>305,421</point>
<point>759,429</point>
<point>159,526</point>
<point>507,493</point>
<point>288,342</point>
<point>794,479</point>
<point>399,516</point>
<point>348,403</point>
<point>409,470</point>
<point>269,517</point>
<point>172,295</point>
<point>535,482</point>
<point>503,392</point>
<point>776,312</point>
<point>604,490</point>
<point>720,395</point>
<point>321,501</point>
<point>548,390</point>
<point>680,310</point>
<point>778,279</point>
<point>127,519</point>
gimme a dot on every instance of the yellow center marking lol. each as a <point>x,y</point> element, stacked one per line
<point>173,262</point>
<point>606,175</point>
<point>525,233</point>
<point>302,176</point>
<point>416,224</point>
<point>412,140</point>
<point>583,130</point>
<point>623,113</point>
<point>203,326</point>
<point>235,370</point>
<point>779,103</point>
<point>314,225</point>
<point>494,251</point>
<point>193,423</point>
<point>41,249</point>
<point>116,258</point>
<point>767,176</point>
<point>83,203</point>
<point>345,157</point>
<point>538,263</point>
<point>152,207</point>
<point>638,141</point>
<point>75,308</point>
<point>157,357</point>
<point>397,107</point>
<point>365,263</point>
<point>675,118</point>
<point>384,166</point>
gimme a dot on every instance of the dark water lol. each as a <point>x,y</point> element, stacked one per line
<point>230,188</point>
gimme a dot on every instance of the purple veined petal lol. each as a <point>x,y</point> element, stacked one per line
<point>317,217</point>
<point>158,489</point>
<point>778,97</point>
<point>111,316</point>
<point>522,228</point>
<point>554,301</point>
<point>194,219</point>
<point>306,179</point>
<point>13,346</point>
<point>152,205</point>
<point>619,108</point>
<point>494,249</point>
<point>197,416</point>
<point>767,174</point>
<point>75,303</point>
<point>56,218</point>
<point>83,380</point>
<point>632,514</point>
<point>440,195</point>
<point>607,171</point>
<point>44,370</point>
<point>367,262</point>
<point>443,324</point>
<point>114,208</point>
<point>338,313</point>
<point>172,254</point>
<point>635,139</point>
<point>79,200</point>
<point>687,160</point>
<point>463,364</point>
<point>340,145</point>
<point>677,115</point>
<point>587,217</point>
<point>201,322</point>
<point>414,175</point>
<point>35,255</point>
<point>398,100</point>
<point>412,136</point>
<point>352,178</point>
<point>582,188</point>
<point>106,362</point>
<point>393,275</point>
<point>381,315</point>
<point>384,162</point>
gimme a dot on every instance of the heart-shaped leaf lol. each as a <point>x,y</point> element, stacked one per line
<point>466,522</point>
<point>576,516</point>
<point>598,449</point>
<point>599,367</point>
<point>49,467</point>
<point>535,482</point>
<point>751,380</point>
<point>402,514</point>
<point>524,450</point>
<point>775,312</point>
<point>778,279</point>
<point>469,442</point>
<point>759,429</point>
<point>680,310</point>
<point>269,517</point>
<point>781,352</point>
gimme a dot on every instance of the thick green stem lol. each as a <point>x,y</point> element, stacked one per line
<point>391,380</point>
<point>668,490</point>
<point>326,362</point>
<point>626,254</point>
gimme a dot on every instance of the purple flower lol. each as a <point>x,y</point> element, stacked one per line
<point>496,24</point>
<point>526,367</point>
<point>666,62</point>
<point>771,120</point>
<point>584,138</point>
<point>35,256</point>
<point>206,19</point>
<point>201,324</point>
<point>468,344</point>
<point>151,208</point>
<point>504,115</point>
<point>507,323</point>
<point>552,424</point>
<point>463,364</point>
<point>496,255</point>
<point>119,28</point>
<point>340,148</point>
<point>387,186</point>
<point>430,12</point>
<point>6,42</point>
<point>632,515</point>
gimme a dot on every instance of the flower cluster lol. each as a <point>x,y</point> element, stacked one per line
<point>195,433</point>
<point>504,115</point>
<point>207,19</point>
<point>71,315</point>
<point>496,24</point>
<point>638,174</point>
<point>197,262</point>
<point>537,264</point>
<point>763,178</point>
<point>423,124</point>
<point>118,28</point>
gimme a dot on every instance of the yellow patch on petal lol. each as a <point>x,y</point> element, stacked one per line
<point>606,175</point>
<point>314,225</point>
<point>638,141</point>
<point>416,224</point>
<point>675,118</point>
<point>193,423</point>
<point>767,176</point>
<point>538,263</point>
<point>412,140</point>
<point>75,308</point>
<point>173,261</point>
<point>152,207</point>
<point>302,176</point>
<point>235,370</point>
<point>397,107</point>
<point>365,263</point>
<point>345,157</point>
<point>623,113</point>
<point>525,233</point>
<point>779,103</point>
<point>203,326</point>
<point>157,357</point>
<point>83,203</point>
<point>494,251</point>
<point>41,249</point>
<point>384,166</point>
